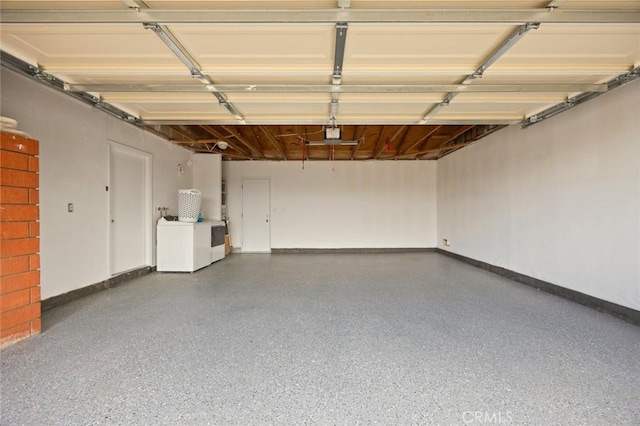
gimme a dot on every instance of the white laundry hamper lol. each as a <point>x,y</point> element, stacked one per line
<point>189,202</point>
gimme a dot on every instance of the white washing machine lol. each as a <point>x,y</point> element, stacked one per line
<point>183,246</point>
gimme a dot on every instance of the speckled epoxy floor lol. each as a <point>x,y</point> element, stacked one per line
<point>325,339</point>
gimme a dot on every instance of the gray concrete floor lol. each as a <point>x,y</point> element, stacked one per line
<point>325,339</point>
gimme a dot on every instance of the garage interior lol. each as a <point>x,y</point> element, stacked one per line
<point>417,162</point>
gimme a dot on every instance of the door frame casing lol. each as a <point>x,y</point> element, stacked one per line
<point>148,203</point>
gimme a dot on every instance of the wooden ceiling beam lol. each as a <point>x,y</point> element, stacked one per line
<point>282,140</point>
<point>479,132</point>
<point>273,141</point>
<point>433,137</point>
<point>360,140</point>
<point>379,145</point>
<point>184,133</point>
<point>256,138</point>
<point>301,138</point>
<point>430,151</point>
<point>457,133</point>
<point>243,149</point>
<point>218,135</point>
<point>208,151</point>
<point>401,140</point>
<point>206,129</point>
<point>380,149</point>
<point>225,138</point>
<point>419,141</point>
<point>452,137</point>
<point>256,153</point>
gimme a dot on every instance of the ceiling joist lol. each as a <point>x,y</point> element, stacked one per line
<point>462,130</point>
<point>389,141</point>
<point>227,138</point>
<point>255,150</point>
<point>420,141</point>
<point>274,142</point>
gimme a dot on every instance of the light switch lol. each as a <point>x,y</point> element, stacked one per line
<point>70,207</point>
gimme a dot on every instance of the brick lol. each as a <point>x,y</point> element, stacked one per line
<point>34,164</point>
<point>19,178</point>
<point>34,262</point>
<point>14,334</point>
<point>17,299</point>
<point>36,326</point>
<point>12,230</point>
<point>19,281</point>
<point>17,143</point>
<point>14,160</point>
<point>34,294</point>
<point>18,213</point>
<point>19,316</point>
<point>34,196</point>
<point>11,248</point>
<point>34,229</point>
<point>15,265</point>
<point>13,195</point>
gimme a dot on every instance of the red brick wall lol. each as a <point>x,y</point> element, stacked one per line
<point>19,239</point>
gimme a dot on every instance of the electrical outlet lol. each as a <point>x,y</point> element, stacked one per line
<point>446,242</point>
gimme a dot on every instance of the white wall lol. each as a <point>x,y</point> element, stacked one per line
<point>559,201</point>
<point>74,169</point>
<point>381,204</point>
<point>207,177</point>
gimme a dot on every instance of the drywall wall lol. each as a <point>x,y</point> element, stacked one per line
<point>207,177</point>
<point>559,201</point>
<point>381,204</point>
<point>74,155</point>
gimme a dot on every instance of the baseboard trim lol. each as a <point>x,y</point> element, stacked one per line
<point>72,295</point>
<point>627,314</point>
<point>350,250</point>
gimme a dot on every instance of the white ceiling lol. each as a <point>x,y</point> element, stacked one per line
<point>303,53</point>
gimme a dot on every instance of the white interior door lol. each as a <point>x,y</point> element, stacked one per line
<point>255,216</point>
<point>129,200</point>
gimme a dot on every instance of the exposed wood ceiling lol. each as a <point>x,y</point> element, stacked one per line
<point>402,79</point>
<point>300,142</point>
